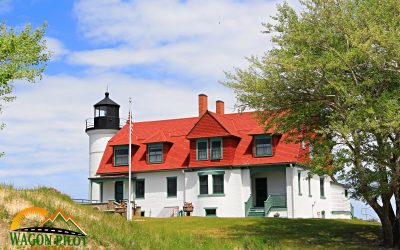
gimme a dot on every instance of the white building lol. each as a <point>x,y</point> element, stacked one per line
<point>226,165</point>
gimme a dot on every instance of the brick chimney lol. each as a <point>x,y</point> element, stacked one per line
<point>220,107</point>
<point>203,104</point>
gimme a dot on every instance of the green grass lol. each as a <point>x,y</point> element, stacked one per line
<point>114,232</point>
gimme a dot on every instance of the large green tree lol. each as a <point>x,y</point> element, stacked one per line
<point>333,79</point>
<point>22,57</point>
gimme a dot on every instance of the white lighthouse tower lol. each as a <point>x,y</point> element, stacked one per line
<point>100,129</point>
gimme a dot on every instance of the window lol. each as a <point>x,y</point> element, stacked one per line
<point>171,186</point>
<point>155,152</point>
<point>299,181</point>
<point>263,145</point>
<point>121,155</point>
<point>139,188</point>
<point>211,211</point>
<point>321,187</point>
<point>309,186</point>
<point>202,149</point>
<point>346,193</point>
<point>203,184</point>
<point>100,112</point>
<point>218,184</point>
<point>216,148</point>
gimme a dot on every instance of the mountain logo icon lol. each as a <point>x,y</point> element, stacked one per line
<point>60,216</point>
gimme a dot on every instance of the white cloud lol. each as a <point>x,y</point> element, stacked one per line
<point>196,37</point>
<point>56,47</point>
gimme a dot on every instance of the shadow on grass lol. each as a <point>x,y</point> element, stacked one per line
<point>309,233</point>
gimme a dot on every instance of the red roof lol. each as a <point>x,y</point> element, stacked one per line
<point>236,129</point>
<point>159,136</point>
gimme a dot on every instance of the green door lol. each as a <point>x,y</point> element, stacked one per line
<point>119,191</point>
<point>261,191</point>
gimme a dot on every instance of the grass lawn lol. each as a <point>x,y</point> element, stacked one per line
<point>108,231</point>
<point>274,233</point>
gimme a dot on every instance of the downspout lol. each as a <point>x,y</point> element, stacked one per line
<point>291,166</point>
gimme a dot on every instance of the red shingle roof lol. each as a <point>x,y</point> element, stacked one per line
<point>238,127</point>
<point>159,136</point>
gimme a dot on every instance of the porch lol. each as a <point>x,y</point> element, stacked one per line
<point>111,188</point>
<point>268,192</point>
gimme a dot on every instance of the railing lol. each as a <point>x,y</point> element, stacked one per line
<point>274,201</point>
<point>90,122</point>
<point>247,205</point>
<point>86,201</point>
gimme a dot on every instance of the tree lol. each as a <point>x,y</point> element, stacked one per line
<point>22,57</point>
<point>332,79</point>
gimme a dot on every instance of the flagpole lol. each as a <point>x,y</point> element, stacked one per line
<point>129,207</point>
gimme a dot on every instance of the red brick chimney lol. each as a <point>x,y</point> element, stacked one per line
<point>220,107</point>
<point>203,104</point>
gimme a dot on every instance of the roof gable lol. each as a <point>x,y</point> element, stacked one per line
<point>211,125</point>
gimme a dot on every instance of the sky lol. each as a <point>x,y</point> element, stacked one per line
<point>160,53</point>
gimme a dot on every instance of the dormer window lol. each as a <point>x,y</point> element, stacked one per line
<point>202,149</point>
<point>121,155</point>
<point>155,153</point>
<point>216,148</point>
<point>262,145</point>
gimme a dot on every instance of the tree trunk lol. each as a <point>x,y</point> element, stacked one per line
<point>396,226</point>
<point>396,234</point>
<point>387,230</point>
<point>386,215</point>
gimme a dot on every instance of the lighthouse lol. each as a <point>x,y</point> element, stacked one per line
<point>100,129</point>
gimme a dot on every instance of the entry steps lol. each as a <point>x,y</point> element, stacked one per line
<point>256,212</point>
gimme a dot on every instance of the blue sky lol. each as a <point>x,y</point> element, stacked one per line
<point>160,53</point>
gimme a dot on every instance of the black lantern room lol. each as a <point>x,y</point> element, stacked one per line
<point>106,115</point>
